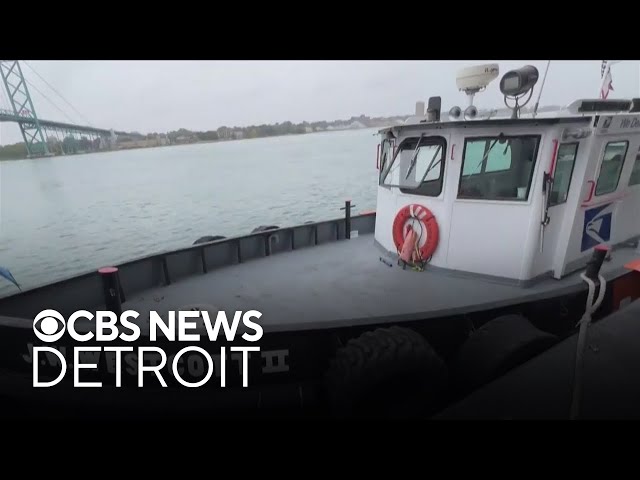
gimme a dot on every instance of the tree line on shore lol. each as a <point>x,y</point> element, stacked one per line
<point>277,129</point>
<point>70,144</point>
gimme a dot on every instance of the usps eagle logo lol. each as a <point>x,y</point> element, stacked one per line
<point>597,227</point>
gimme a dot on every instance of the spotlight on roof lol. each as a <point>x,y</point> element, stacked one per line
<point>518,82</point>
<point>516,85</point>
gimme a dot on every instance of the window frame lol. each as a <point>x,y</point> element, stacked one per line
<point>538,139</point>
<point>624,159</point>
<point>633,167</point>
<point>423,141</point>
<point>392,149</point>
<point>573,166</point>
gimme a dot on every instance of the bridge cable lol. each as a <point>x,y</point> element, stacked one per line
<point>58,93</point>
<point>49,100</point>
<point>4,96</point>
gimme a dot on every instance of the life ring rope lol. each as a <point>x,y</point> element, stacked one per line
<point>427,222</point>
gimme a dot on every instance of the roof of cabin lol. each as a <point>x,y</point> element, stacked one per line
<point>580,111</point>
<point>568,119</point>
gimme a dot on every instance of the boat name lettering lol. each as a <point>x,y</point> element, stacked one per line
<point>630,123</point>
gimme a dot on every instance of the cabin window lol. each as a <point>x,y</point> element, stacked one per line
<point>565,161</point>
<point>635,173</point>
<point>611,167</point>
<point>498,168</point>
<point>418,166</point>
<point>498,160</point>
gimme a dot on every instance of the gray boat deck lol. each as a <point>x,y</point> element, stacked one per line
<point>542,387</point>
<point>344,283</point>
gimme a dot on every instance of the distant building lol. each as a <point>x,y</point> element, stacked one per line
<point>308,129</point>
<point>224,133</point>
<point>356,124</point>
<point>238,134</point>
<point>186,139</point>
<point>155,141</point>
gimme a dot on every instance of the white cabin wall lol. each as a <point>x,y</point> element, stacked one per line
<point>502,238</point>
<point>385,212</point>
<point>624,207</point>
<point>628,216</point>
<point>391,200</point>
<point>489,242</point>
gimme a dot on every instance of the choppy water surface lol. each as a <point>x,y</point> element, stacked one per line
<point>63,216</point>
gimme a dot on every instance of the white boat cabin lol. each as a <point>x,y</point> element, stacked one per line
<point>519,199</point>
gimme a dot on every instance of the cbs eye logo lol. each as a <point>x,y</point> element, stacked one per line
<point>49,326</point>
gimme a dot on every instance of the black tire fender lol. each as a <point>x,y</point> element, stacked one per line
<point>383,369</point>
<point>497,347</point>
<point>264,228</point>
<point>208,238</point>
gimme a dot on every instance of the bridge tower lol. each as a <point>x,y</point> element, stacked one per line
<point>22,105</point>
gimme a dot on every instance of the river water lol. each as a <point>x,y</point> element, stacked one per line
<point>63,216</point>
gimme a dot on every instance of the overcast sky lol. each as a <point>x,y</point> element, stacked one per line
<point>159,96</point>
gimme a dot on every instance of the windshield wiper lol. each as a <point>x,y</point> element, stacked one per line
<point>431,164</point>
<point>485,156</point>
<point>393,164</point>
<point>414,159</point>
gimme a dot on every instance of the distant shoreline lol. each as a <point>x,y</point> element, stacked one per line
<point>182,136</point>
<point>140,147</point>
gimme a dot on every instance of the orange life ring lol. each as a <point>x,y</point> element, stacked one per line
<point>425,217</point>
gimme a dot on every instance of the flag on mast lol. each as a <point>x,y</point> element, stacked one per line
<point>607,81</point>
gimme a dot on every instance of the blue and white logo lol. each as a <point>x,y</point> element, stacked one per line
<point>597,227</point>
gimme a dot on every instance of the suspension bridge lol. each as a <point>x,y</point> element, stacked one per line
<point>47,137</point>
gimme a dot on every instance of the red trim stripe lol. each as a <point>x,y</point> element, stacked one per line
<point>552,169</point>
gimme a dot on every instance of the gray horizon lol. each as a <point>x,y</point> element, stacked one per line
<point>163,96</point>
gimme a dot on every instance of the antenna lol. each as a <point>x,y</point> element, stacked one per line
<point>472,80</point>
<point>535,109</point>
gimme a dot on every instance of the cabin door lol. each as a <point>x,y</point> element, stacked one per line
<point>492,206</point>
<point>609,185</point>
<point>566,189</point>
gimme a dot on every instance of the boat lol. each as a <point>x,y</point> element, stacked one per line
<point>492,239</point>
